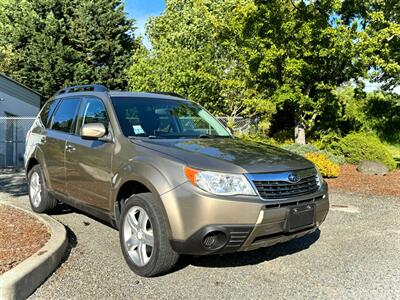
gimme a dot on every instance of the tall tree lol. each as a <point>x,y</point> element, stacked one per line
<point>306,51</point>
<point>198,50</point>
<point>102,38</point>
<point>60,42</point>
<point>244,57</point>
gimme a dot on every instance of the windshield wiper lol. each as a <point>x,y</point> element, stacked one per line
<point>132,137</point>
<point>211,136</point>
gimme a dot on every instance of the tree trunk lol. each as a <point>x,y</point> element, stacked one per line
<point>299,131</point>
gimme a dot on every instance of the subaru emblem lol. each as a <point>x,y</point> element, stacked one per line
<point>293,178</point>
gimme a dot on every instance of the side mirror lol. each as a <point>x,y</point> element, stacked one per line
<point>93,131</point>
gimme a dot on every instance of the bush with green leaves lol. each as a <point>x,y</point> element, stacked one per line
<point>357,147</point>
<point>309,148</point>
<point>327,163</point>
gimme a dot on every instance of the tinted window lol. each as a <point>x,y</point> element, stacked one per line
<point>47,112</point>
<point>64,117</point>
<point>165,118</point>
<point>93,111</point>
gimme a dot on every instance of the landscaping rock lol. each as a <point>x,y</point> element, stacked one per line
<point>372,168</point>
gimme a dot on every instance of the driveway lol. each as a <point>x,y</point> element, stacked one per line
<point>356,254</point>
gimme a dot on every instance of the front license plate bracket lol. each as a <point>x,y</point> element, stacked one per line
<point>301,217</point>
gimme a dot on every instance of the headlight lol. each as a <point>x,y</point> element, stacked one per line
<point>220,183</point>
<point>320,178</point>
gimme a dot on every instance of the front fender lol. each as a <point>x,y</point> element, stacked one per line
<point>149,174</point>
<point>159,177</point>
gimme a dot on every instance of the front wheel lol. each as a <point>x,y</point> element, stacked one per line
<point>39,197</point>
<point>143,237</point>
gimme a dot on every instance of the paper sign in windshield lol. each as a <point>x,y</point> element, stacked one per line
<point>137,129</point>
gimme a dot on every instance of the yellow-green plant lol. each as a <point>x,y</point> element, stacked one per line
<point>327,167</point>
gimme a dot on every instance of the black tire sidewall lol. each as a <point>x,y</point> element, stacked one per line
<point>153,213</point>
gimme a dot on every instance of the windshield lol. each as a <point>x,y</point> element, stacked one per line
<point>164,118</point>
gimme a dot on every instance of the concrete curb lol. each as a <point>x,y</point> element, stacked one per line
<point>25,278</point>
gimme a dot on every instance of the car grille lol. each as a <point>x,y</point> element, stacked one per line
<point>284,189</point>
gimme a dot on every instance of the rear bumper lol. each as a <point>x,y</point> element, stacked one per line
<point>242,224</point>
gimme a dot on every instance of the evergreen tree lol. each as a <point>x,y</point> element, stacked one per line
<point>56,43</point>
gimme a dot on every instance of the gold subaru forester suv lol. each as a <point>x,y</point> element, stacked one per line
<point>168,175</point>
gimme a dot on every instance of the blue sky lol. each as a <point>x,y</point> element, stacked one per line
<point>141,10</point>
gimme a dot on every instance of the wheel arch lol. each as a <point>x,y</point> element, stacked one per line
<point>132,186</point>
<point>30,164</point>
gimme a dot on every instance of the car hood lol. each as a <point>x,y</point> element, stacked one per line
<point>228,155</point>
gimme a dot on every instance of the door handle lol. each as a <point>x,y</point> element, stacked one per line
<point>70,148</point>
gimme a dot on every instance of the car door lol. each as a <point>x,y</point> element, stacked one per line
<point>88,162</point>
<point>53,145</point>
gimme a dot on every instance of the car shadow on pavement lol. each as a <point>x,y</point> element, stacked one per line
<point>63,209</point>
<point>13,185</point>
<point>254,257</point>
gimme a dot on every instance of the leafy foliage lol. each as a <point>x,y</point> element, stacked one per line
<point>379,43</point>
<point>303,150</point>
<point>199,51</point>
<point>357,147</point>
<point>382,115</point>
<point>58,42</point>
<point>253,58</point>
<point>326,166</point>
<point>303,55</point>
<point>294,66</point>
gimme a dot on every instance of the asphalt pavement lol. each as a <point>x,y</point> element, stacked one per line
<point>354,255</point>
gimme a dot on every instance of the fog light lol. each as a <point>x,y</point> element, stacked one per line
<point>214,240</point>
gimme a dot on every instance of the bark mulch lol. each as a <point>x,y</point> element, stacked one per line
<point>353,181</point>
<point>20,236</point>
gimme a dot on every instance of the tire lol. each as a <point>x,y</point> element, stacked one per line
<point>39,197</point>
<point>154,260</point>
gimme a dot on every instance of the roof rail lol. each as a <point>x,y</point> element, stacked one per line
<point>170,94</point>
<point>82,88</point>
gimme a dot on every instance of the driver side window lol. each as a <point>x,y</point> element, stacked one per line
<point>92,111</point>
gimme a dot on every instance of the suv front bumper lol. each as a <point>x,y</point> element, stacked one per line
<point>244,222</point>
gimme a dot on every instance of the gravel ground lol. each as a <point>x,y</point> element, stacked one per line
<point>354,256</point>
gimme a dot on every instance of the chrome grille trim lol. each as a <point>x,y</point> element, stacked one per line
<point>277,186</point>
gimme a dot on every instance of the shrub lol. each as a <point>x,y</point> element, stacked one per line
<point>327,167</point>
<point>310,148</point>
<point>337,159</point>
<point>360,146</point>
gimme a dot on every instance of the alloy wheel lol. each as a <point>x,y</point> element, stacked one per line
<point>138,236</point>
<point>35,190</point>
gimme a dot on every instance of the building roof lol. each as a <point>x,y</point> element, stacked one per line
<point>20,84</point>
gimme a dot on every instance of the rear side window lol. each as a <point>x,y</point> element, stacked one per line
<point>65,115</point>
<point>48,111</point>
